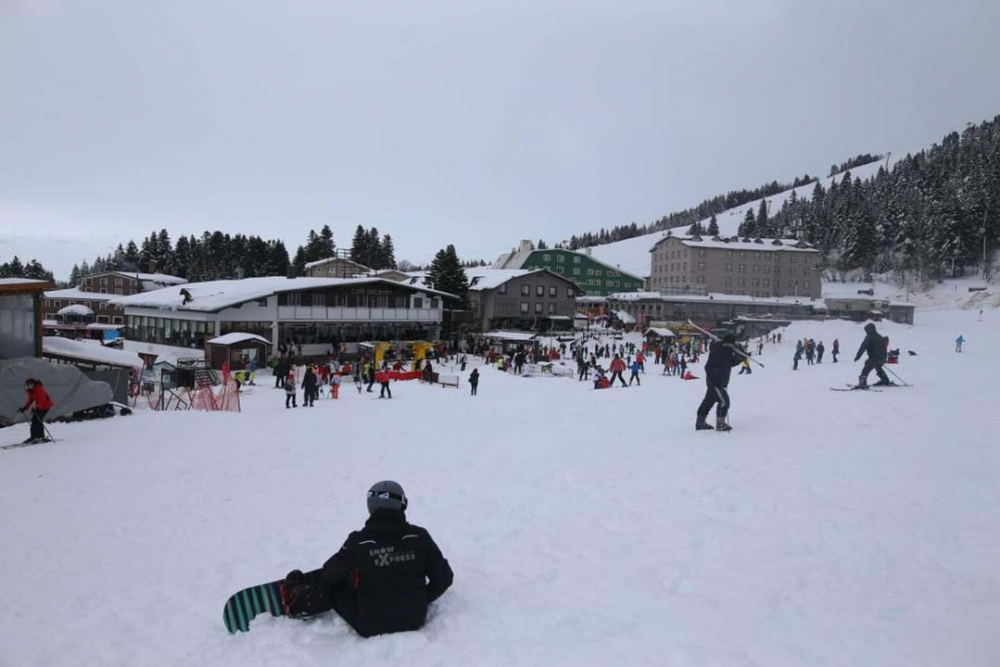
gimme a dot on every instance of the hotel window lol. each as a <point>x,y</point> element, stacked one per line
<point>524,306</point>
<point>538,306</point>
<point>729,280</point>
<point>526,290</point>
<point>742,268</point>
<point>576,260</point>
<point>318,299</point>
<point>701,252</point>
<point>560,258</point>
<point>729,267</point>
<point>502,289</point>
<point>569,292</point>
<point>552,309</point>
<point>539,290</point>
<point>701,265</point>
<point>553,291</point>
<point>118,291</point>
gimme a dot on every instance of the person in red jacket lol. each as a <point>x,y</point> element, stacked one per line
<point>41,402</point>
<point>617,367</point>
<point>383,377</point>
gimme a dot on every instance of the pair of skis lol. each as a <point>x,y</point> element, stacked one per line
<point>736,348</point>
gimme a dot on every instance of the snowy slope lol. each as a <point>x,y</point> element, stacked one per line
<point>633,254</point>
<point>585,528</point>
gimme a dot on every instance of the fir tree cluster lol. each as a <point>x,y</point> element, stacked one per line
<point>34,270</point>
<point>933,214</point>
<point>368,249</point>
<point>213,256</point>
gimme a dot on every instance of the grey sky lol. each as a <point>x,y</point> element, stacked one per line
<point>470,122</point>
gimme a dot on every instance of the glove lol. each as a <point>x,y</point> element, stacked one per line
<point>20,410</point>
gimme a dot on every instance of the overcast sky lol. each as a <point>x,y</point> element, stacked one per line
<point>469,122</point>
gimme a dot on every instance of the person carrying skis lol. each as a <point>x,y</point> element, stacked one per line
<point>383,578</point>
<point>721,360</point>
<point>39,402</point>
<point>474,381</point>
<point>617,367</point>
<point>836,349</point>
<point>874,346</point>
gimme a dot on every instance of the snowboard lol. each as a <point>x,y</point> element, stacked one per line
<point>245,605</point>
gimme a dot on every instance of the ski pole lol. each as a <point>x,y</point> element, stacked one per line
<point>905,383</point>
<point>737,350</point>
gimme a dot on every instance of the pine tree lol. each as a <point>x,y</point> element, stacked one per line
<point>446,273</point>
<point>359,246</point>
<point>74,275</point>
<point>713,226</point>
<point>695,229</point>
<point>749,225</point>
<point>388,253</point>
<point>763,226</point>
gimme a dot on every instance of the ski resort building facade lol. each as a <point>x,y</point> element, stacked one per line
<point>319,316</point>
<point>761,268</point>
<point>96,291</point>
<point>522,299</point>
<point>594,277</point>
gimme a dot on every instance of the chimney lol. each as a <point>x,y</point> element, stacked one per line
<point>152,266</point>
<point>526,246</point>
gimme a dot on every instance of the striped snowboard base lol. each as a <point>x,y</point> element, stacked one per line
<point>245,605</point>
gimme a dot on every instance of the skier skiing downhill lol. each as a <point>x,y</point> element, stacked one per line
<point>874,346</point>
<point>721,360</point>
<point>382,579</point>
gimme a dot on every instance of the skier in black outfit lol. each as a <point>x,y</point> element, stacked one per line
<point>874,346</point>
<point>721,360</point>
<point>382,579</point>
<point>474,381</point>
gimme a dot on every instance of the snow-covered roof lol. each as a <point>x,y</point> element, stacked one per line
<point>20,281</point>
<point>159,278</point>
<point>215,295</point>
<point>480,278</point>
<point>237,337</point>
<point>327,260</point>
<point>660,331</point>
<point>715,297</point>
<point>518,258</point>
<point>519,336</point>
<point>90,351</point>
<point>734,243</point>
<point>624,317</point>
<point>76,309</point>
<point>77,293</point>
<point>484,279</point>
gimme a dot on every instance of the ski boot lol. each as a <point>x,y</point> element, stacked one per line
<point>702,425</point>
<point>862,383</point>
<point>884,383</point>
<point>293,590</point>
<point>721,425</point>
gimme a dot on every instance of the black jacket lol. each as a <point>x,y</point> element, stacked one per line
<point>721,360</point>
<point>397,570</point>
<point>873,344</point>
<point>309,381</point>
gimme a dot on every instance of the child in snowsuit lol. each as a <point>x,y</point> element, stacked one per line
<point>290,391</point>
<point>636,367</point>
<point>382,377</point>
<point>335,386</point>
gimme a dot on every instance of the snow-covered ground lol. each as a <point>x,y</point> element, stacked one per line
<point>584,527</point>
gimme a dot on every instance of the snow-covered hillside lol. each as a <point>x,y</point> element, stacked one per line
<point>632,254</point>
<point>584,527</point>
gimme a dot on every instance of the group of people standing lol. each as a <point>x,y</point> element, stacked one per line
<point>813,352</point>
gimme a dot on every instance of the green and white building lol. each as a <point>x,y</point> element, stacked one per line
<point>595,278</point>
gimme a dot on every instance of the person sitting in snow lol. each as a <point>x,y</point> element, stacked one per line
<point>383,578</point>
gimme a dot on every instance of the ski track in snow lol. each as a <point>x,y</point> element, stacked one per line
<point>584,527</point>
